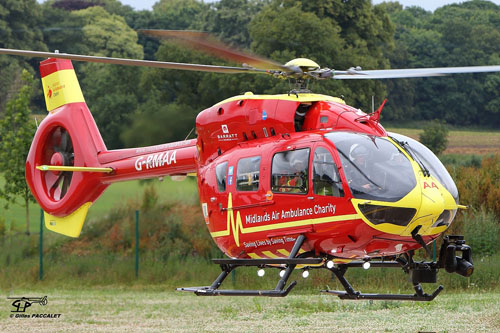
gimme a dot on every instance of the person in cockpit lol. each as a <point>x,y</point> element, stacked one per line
<point>358,173</point>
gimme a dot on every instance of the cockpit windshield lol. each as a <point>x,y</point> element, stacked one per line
<point>429,161</point>
<point>373,166</point>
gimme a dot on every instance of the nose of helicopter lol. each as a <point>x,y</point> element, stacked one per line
<point>432,205</point>
<point>429,206</point>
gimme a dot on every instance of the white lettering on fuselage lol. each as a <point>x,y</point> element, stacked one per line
<point>227,137</point>
<point>329,208</point>
<point>155,160</point>
<point>291,213</point>
<point>283,240</point>
<point>254,218</point>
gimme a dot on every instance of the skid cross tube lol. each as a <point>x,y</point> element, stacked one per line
<point>227,265</point>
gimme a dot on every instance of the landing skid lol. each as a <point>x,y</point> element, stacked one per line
<point>418,272</point>
<point>227,265</point>
<point>350,293</point>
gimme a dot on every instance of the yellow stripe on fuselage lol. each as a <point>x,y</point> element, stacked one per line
<point>284,252</point>
<point>269,254</point>
<point>61,88</point>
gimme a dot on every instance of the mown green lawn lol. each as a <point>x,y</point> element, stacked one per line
<point>119,310</point>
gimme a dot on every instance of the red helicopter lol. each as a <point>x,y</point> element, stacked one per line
<point>292,181</point>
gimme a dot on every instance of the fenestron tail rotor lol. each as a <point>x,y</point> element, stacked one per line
<point>58,151</point>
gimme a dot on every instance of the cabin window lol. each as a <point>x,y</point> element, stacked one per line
<point>221,173</point>
<point>247,174</point>
<point>290,171</point>
<point>326,179</point>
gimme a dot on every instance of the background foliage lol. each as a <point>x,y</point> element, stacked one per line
<point>335,33</point>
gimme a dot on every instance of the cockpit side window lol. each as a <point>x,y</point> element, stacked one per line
<point>221,173</point>
<point>247,174</point>
<point>290,171</point>
<point>326,179</point>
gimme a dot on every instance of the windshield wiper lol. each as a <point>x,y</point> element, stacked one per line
<point>406,146</point>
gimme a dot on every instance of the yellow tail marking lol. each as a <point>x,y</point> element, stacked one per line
<point>70,225</point>
<point>61,88</point>
<point>254,256</point>
<point>269,254</point>
<point>236,226</point>
<point>284,252</point>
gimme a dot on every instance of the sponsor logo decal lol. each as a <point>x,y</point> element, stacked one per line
<point>226,136</point>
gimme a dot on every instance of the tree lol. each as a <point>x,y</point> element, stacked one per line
<point>110,91</point>
<point>465,34</point>
<point>178,14</point>
<point>19,29</point>
<point>435,137</point>
<point>17,130</point>
<point>229,20</point>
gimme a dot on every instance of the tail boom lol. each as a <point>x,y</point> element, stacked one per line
<point>176,158</point>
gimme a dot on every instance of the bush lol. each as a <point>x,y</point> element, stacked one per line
<point>480,187</point>
<point>482,232</point>
<point>166,230</point>
<point>454,161</point>
<point>2,226</point>
<point>435,136</point>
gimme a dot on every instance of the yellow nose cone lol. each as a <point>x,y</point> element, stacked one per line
<point>432,205</point>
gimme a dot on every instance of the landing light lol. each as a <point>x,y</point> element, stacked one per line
<point>282,273</point>
<point>330,264</point>
<point>305,274</point>
<point>261,272</point>
<point>366,265</point>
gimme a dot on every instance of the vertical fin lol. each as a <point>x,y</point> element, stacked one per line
<point>60,85</point>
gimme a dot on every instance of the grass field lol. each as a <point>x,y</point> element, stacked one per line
<point>462,141</point>
<point>119,310</point>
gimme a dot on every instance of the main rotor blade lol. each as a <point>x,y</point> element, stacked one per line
<point>208,43</point>
<point>134,62</point>
<point>353,74</point>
